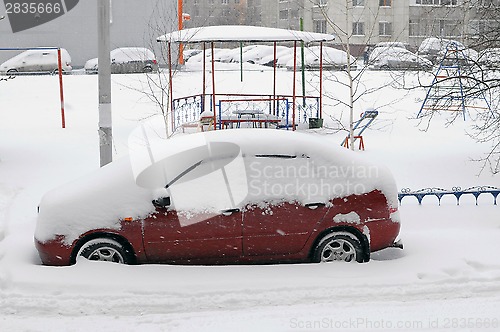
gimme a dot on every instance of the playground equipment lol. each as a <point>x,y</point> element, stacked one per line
<point>360,126</point>
<point>453,88</point>
<point>226,108</point>
<point>455,191</point>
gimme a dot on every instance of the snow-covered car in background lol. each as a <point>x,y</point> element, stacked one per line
<point>332,58</point>
<point>220,54</point>
<point>392,44</point>
<point>395,58</point>
<point>489,58</point>
<point>446,51</point>
<point>37,60</point>
<point>127,60</point>
<point>224,197</point>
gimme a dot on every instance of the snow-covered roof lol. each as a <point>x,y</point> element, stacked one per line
<point>242,33</point>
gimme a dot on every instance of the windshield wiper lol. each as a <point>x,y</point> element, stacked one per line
<point>189,169</point>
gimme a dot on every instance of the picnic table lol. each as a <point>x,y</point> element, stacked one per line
<point>254,119</point>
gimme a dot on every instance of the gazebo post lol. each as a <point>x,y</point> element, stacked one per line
<point>274,81</point>
<point>213,87</point>
<point>294,77</point>
<point>321,80</point>
<point>204,90</point>
<point>170,86</point>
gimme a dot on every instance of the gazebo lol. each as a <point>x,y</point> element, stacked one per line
<point>277,105</point>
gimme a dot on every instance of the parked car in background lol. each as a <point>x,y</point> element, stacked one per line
<point>332,58</point>
<point>446,51</point>
<point>391,44</point>
<point>489,58</point>
<point>224,197</point>
<point>37,60</point>
<point>395,58</point>
<point>127,60</point>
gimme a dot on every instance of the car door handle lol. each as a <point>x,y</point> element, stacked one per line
<point>314,206</point>
<point>229,212</point>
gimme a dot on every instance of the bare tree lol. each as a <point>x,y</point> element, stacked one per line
<point>346,29</point>
<point>478,77</point>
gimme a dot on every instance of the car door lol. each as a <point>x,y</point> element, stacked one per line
<point>283,226</point>
<point>279,230</point>
<point>170,236</point>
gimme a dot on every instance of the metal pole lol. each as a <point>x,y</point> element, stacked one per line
<point>61,92</point>
<point>104,77</point>
<point>294,78</point>
<point>321,80</point>
<point>213,86</point>
<point>274,81</point>
<point>180,26</point>
<point>171,87</point>
<point>302,56</point>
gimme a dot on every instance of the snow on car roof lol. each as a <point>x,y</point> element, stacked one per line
<point>231,167</point>
<point>242,33</point>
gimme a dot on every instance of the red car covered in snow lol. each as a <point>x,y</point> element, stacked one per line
<point>224,197</point>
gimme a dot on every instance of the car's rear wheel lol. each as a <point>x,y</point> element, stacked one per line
<point>105,250</point>
<point>338,246</point>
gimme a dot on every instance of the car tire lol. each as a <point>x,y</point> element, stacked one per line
<point>105,250</point>
<point>338,246</point>
<point>385,67</point>
<point>147,69</point>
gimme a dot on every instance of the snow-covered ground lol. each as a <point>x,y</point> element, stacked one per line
<point>447,277</point>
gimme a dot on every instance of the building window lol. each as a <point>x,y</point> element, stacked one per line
<point>414,28</point>
<point>483,27</point>
<point>225,2</point>
<point>437,2</point>
<point>284,14</point>
<point>385,28</point>
<point>384,3</point>
<point>358,28</point>
<point>320,26</point>
<point>358,3</point>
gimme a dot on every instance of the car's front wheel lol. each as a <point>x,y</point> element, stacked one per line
<point>338,246</point>
<point>105,250</point>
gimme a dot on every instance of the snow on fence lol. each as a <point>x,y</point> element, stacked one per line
<point>188,109</point>
<point>455,191</point>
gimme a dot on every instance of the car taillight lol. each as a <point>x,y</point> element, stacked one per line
<point>393,210</point>
<point>154,61</point>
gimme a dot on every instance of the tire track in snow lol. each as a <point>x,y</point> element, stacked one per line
<point>139,302</point>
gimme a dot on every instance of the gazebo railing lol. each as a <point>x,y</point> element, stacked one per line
<point>189,109</point>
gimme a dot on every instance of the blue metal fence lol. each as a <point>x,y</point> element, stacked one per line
<point>455,191</point>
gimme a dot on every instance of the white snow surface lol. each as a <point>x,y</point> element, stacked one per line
<point>446,279</point>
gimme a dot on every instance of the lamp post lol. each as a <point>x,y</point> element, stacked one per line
<point>104,77</point>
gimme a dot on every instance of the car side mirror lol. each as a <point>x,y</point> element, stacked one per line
<point>162,202</point>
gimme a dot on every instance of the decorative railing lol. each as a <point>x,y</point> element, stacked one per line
<point>188,109</point>
<point>455,191</point>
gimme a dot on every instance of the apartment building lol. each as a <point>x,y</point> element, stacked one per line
<point>359,22</point>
